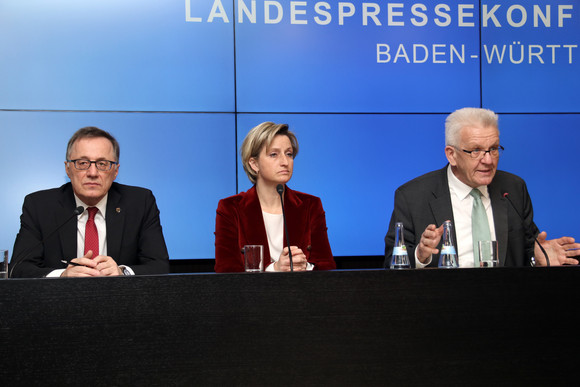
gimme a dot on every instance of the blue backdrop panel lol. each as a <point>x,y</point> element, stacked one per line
<point>532,68</point>
<point>354,163</point>
<point>226,66</point>
<point>187,160</point>
<point>113,55</point>
<point>542,149</point>
<point>286,67</point>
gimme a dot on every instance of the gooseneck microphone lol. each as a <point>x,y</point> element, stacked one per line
<point>20,258</point>
<point>507,196</point>
<point>280,189</point>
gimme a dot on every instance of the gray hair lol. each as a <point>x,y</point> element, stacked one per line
<point>475,117</point>
<point>92,132</point>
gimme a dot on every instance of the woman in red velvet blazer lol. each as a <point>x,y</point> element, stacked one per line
<point>254,217</point>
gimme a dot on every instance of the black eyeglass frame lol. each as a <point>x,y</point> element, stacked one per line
<point>111,163</point>
<point>477,152</point>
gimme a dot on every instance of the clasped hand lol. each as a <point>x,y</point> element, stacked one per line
<point>92,267</point>
<point>298,259</point>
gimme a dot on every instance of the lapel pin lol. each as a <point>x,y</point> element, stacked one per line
<point>118,210</point>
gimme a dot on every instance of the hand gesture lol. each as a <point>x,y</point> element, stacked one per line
<point>559,250</point>
<point>429,242</point>
<point>107,266</point>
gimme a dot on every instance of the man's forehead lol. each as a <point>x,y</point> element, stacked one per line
<point>476,133</point>
<point>92,144</point>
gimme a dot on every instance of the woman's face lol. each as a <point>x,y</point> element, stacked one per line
<point>275,164</point>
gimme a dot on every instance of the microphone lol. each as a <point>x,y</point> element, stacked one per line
<point>280,189</point>
<point>507,196</point>
<point>20,258</point>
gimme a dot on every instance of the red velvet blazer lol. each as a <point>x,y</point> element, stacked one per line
<point>239,222</point>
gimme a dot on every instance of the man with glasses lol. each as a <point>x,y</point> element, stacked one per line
<point>90,226</point>
<point>470,184</point>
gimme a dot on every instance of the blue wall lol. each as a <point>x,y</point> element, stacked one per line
<point>365,86</point>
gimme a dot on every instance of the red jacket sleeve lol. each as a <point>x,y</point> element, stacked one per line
<point>320,252</point>
<point>228,256</point>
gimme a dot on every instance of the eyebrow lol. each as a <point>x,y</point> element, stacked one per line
<point>478,146</point>
<point>88,158</point>
<point>272,149</point>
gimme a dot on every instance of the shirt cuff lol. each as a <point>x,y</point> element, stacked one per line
<point>126,270</point>
<point>55,273</point>
<point>419,264</point>
<point>309,267</point>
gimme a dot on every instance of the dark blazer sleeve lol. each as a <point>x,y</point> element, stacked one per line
<point>30,257</point>
<point>426,200</point>
<point>152,255</point>
<point>531,231</point>
<point>418,203</point>
<point>134,232</point>
<point>520,227</point>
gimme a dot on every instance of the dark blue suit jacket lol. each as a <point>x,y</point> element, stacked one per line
<point>426,200</point>
<point>134,234</point>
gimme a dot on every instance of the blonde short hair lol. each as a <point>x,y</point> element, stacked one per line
<point>467,117</point>
<point>262,136</point>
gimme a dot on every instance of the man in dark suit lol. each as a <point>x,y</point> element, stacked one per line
<point>118,233</point>
<point>472,149</point>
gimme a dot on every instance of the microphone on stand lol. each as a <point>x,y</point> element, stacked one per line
<point>14,262</point>
<point>507,196</point>
<point>280,189</point>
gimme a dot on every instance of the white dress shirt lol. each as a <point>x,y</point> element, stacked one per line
<point>100,222</point>
<point>274,224</point>
<point>462,204</point>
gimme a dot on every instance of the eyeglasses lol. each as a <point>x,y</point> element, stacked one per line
<point>494,152</point>
<point>84,164</point>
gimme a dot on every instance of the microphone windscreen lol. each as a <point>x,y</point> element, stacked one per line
<point>79,210</point>
<point>280,189</point>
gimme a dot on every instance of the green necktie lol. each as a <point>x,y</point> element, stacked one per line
<point>479,224</point>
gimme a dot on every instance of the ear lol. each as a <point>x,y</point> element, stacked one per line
<point>116,171</point>
<point>67,168</point>
<point>254,164</point>
<point>451,154</point>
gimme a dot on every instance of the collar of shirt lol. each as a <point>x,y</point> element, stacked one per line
<point>102,206</point>
<point>462,204</point>
<point>462,190</point>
